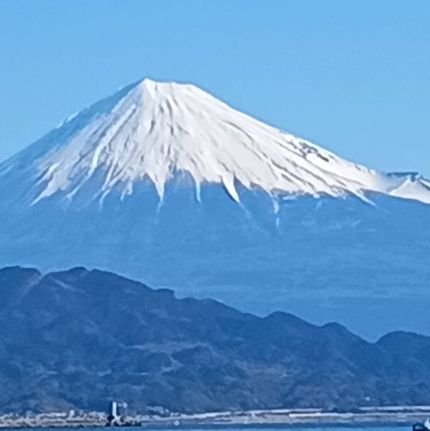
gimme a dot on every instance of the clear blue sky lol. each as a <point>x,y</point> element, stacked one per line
<point>353,76</point>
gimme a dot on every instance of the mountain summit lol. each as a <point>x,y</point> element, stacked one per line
<point>164,183</point>
<point>151,131</point>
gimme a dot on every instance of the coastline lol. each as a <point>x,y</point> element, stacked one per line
<point>369,417</point>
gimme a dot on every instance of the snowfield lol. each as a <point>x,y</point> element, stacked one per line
<point>155,131</point>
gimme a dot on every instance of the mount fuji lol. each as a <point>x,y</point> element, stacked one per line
<point>166,183</point>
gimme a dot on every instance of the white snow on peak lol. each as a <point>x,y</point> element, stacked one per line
<point>152,130</point>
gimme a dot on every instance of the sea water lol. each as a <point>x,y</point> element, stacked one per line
<point>257,428</point>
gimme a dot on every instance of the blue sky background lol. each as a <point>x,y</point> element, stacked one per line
<point>353,76</point>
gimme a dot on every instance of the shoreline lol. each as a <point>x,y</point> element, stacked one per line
<point>369,417</point>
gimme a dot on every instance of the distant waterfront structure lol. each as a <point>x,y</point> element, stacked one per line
<point>117,415</point>
<point>115,412</point>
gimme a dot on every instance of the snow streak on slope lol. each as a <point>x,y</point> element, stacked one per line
<point>155,131</point>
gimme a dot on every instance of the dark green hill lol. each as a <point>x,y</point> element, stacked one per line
<point>78,338</point>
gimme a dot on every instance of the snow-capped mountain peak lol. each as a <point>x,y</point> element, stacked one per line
<point>156,131</point>
<point>146,182</point>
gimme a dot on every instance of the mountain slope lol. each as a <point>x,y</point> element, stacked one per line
<point>75,339</point>
<point>154,131</point>
<point>164,183</point>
